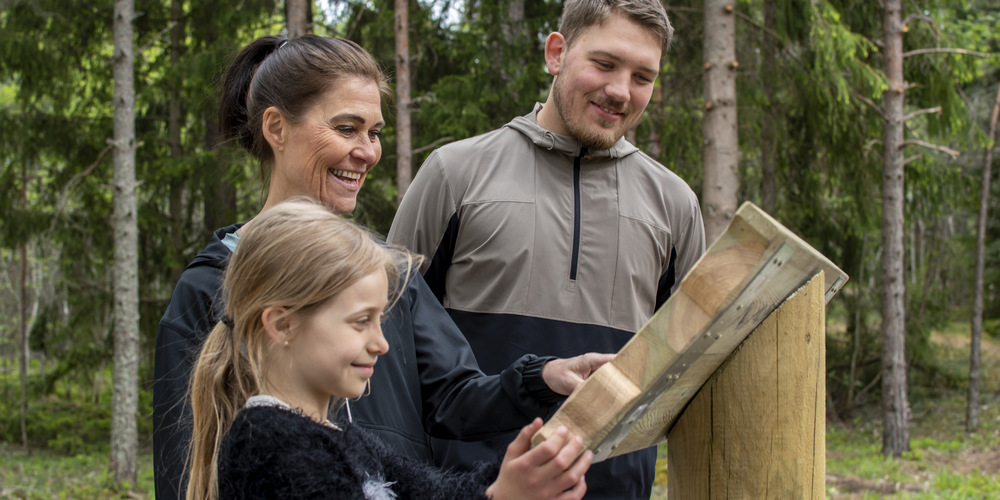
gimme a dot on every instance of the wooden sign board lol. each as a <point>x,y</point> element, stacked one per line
<point>631,402</point>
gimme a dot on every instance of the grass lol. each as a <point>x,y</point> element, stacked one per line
<point>49,475</point>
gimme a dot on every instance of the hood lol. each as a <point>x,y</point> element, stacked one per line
<point>215,254</point>
<point>528,126</point>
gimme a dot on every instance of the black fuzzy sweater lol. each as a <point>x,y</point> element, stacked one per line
<point>273,452</point>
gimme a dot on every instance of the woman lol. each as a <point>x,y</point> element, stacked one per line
<point>309,110</point>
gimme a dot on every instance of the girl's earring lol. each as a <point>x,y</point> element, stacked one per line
<point>286,343</point>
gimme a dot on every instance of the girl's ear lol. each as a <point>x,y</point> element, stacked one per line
<point>277,324</point>
<point>274,127</point>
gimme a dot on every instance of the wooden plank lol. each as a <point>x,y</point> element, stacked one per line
<point>631,402</point>
<point>757,427</point>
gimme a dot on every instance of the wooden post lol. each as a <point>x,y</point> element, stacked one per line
<point>757,428</point>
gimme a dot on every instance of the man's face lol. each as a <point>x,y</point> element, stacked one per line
<point>603,81</point>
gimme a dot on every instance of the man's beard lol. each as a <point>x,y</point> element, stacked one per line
<point>593,138</point>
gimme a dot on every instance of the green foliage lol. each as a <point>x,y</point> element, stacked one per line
<point>67,417</point>
<point>46,475</point>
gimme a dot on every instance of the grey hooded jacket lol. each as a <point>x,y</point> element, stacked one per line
<point>535,245</point>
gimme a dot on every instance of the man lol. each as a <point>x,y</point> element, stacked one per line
<point>554,235</point>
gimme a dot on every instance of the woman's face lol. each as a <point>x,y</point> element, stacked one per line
<point>328,154</point>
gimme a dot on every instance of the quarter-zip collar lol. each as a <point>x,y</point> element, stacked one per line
<point>570,146</point>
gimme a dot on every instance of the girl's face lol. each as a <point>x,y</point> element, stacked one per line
<point>333,350</point>
<point>329,153</point>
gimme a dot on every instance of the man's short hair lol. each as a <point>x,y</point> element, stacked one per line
<point>581,14</point>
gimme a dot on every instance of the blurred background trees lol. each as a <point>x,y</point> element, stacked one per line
<point>811,88</point>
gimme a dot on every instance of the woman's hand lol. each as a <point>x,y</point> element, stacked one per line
<point>550,471</point>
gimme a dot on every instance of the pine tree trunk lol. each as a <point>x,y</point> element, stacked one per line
<point>298,15</point>
<point>721,149</point>
<point>174,118</point>
<point>125,395</point>
<point>404,149</point>
<point>768,184</point>
<point>25,357</point>
<point>895,435</point>
<point>972,407</point>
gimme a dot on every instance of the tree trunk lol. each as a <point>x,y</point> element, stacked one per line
<point>404,149</point>
<point>298,15</point>
<point>768,184</point>
<point>895,435</point>
<point>515,31</point>
<point>174,119</point>
<point>972,408</point>
<point>125,395</point>
<point>25,357</point>
<point>721,183</point>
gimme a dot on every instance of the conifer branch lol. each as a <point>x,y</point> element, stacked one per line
<point>926,19</point>
<point>921,112</point>
<point>945,50</point>
<point>944,149</point>
<point>871,103</point>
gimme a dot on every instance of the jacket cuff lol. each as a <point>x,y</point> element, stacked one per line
<point>535,385</point>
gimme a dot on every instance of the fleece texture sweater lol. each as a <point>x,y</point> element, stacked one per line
<point>274,452</point>
<point>536,245</point>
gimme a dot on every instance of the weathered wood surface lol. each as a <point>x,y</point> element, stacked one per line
<point>632,402</point>
<point>757,428</point>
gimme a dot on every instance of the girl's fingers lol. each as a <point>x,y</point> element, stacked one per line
<point>576,493</point>
<point>522,443</point>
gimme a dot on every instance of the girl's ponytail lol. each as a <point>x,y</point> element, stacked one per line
<point>220,385</point>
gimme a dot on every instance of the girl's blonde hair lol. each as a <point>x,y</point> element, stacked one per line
<point>297,255</point>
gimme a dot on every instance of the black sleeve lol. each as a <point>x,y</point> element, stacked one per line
<point>184,326</point>
<point>459,401</point>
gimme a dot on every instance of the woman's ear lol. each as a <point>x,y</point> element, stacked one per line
<point>274,127</point>
<point>277,324</point>
<point>555,46</point>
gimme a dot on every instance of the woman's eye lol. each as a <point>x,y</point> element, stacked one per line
<point>375,135</point>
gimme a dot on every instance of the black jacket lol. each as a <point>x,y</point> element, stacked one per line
<point>428,382</point>
<point>271,452</point>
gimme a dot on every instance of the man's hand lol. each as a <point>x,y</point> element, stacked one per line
<point>563,376</point>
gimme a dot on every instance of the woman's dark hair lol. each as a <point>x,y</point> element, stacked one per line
<point>291,75</point>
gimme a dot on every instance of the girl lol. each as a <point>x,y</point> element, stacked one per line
<point>304,293</point>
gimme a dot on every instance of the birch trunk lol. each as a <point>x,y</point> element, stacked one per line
<point>125,395</point>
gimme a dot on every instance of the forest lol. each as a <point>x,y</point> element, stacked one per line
<point>867,127</point>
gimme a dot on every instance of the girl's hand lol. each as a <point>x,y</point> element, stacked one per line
<point>550,471</point>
